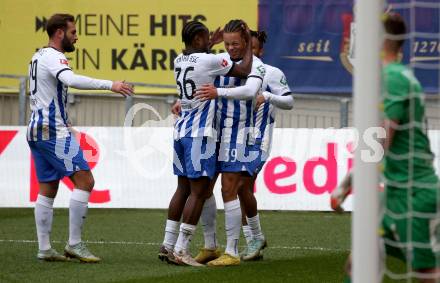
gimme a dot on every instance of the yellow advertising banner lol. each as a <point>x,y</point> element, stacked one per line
<point>136,40</point>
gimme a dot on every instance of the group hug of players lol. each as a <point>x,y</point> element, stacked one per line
<point>225,120</point>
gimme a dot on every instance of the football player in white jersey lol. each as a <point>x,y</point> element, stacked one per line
<point>195,137</point>
<point>276,94</point>
<point>236,102</point>
<point>55,151</point>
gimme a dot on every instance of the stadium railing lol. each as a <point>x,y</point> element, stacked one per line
<point>100,108</point>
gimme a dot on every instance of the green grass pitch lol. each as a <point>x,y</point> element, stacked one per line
<point>303,247</point>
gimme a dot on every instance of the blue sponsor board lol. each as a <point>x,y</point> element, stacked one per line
<point>310,41</point>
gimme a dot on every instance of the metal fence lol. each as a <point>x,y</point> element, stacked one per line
<point>107,109</point>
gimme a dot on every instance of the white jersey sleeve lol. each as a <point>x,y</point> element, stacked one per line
<point>219,65</point>
<point>250,89</point>
<point>281,101</point>
<point>82,82</point>
<point>244,92</point>
<point>276,82</point>
<point>258,69</point>
<point>276,89</point>
<point>57,63</point>
<point>58,66</point>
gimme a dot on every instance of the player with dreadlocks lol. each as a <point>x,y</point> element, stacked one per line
<point>195,136</point>
<point>236,98</point>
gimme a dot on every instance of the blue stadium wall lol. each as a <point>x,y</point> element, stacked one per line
<point>307,40</point>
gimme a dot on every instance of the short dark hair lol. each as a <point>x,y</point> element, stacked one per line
<point>261,36</point>
<point>191,29</point>
<point>395,26</point>
<point>58,21</point>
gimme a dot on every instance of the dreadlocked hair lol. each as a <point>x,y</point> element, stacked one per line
<point>235,26</point>
<point>191,29</point>
<point>260,35</point>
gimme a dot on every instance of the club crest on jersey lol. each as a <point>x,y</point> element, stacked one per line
<point>224,63</point>
<point>64,62</point>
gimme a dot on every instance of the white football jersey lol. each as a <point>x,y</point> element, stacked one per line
<point>234,117</point>
<point>191,71</point>
<point>274,82</point>
<point>48,95</point>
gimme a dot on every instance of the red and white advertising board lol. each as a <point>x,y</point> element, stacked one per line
<point>133,168</point>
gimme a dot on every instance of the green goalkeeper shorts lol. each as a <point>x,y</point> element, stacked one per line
<point>411,229</point>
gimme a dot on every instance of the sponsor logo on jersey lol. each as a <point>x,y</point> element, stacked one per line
<point>224,63</point>
<point>283,81</point>
<point>261,70</point>
<point>64,62</point>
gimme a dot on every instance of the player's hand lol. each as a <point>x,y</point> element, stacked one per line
<point>339,194</point>
<point>216,37</point>
<point>206,92</point>
<point>123,88</point>
<point>259,100</point>
<point>176,109</point>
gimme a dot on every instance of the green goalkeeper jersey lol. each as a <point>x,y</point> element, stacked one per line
<point>409,157</point>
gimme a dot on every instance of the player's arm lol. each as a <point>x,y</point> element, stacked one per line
<point>215,37</point>
<point>390,129</point>
<point>280,95</point>
<point>394,107</point>
<point>245,92</point>
<point>284,101</point>
<point>58,66</point>
<point>176,108</point>
<point>70,79</point>
<point>248,91</point>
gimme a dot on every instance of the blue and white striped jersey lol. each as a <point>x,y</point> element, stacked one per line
<point>48,96</point>
<point>275,82</point>
<point>234,117</point>
<point>197,118</point>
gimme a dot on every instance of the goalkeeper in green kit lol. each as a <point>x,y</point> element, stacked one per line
<point>411,223</point>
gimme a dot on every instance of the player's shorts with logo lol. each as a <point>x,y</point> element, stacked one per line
<point>57,158</point>
<point>195,157</point>
<point>235,157</point>
<point>412,225</point>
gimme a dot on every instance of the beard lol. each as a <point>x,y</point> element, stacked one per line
<point>67,45</point>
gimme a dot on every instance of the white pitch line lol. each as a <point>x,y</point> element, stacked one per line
<point>158,244</point>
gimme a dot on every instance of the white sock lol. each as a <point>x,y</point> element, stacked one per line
<point>254,224</point>
<point>247,233</point>
<point>43,221</point>
<point>77,214</point>
<point>208,220</point>
<point>171,234</point>
<point>184,239</point>
<point>232,226</point>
